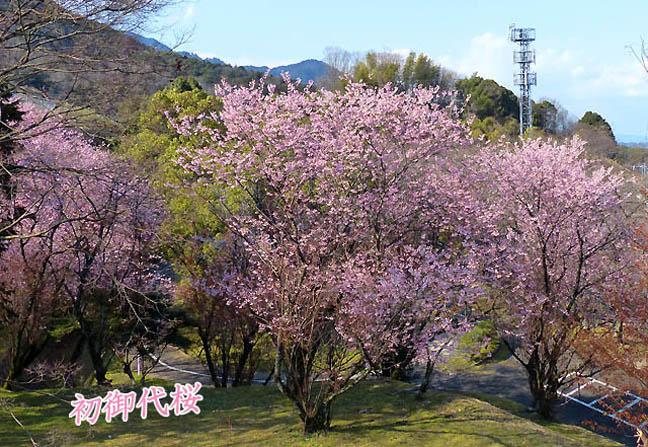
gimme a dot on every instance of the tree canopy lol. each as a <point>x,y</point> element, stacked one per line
<point>598,122</point>
<point>489,99</point>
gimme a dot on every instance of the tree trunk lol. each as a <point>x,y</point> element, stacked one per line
<point>78,349</point>
<point>429,369</point>
<point>93,337</point>
<point>225,363</point>
<point>11,377</point>
<point>129,372</point>
<point>22,359</point>
<point>97,363</point>
<point>543,390</point>
<point>317,419</point>
<point>270,376</point>
<point>15,362</point>
<point>210,361</point>
<point>242,361</point>
<point>314,408</point>
<point>395,364</point>
<point>543,405</point>
<point>619,333</point>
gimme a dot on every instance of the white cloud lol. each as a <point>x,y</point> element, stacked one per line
<point>553,61</point>
<point>488,54</point>
<point>560,72</point>
<point>577,70</point>
<point>576,75</point>
<point>627,79</point>
<point>579,80</point>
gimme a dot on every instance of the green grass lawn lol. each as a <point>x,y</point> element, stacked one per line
<point>376,413</point>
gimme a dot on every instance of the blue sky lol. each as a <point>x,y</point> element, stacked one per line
<point>583,56</point>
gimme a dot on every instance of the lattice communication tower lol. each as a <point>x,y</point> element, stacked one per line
<point>525,78</point>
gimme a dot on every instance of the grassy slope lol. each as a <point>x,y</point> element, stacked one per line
<point>373,414</point>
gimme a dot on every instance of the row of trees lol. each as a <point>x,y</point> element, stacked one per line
<point>348,230</point>
<point>80,257</point>
<point>349,250</point>
<point>493,109</point>
<point>377,69</point>
<point>73,55</point>
<point>77,225</point>
<point>370,223</point>
<point>226,335</point>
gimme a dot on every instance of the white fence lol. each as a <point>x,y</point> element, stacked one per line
<point>616,415</point>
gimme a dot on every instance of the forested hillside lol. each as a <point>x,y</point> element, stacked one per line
<point>106,75</point>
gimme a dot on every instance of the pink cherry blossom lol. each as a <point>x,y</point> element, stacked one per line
<point>559,233</point>
<point>356,245</point>
<point>88,228</point>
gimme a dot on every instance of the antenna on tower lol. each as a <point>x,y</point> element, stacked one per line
<point>525,78</point>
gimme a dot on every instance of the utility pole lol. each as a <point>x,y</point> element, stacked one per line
<point>525,78</point>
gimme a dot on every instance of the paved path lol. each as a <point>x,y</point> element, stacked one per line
<point>177,366</point>
<point>505,379</point>
<point>508,379</point>
<point>174,367</point>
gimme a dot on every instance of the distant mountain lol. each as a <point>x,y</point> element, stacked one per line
<point>125,70</point>
<point>304,70</point>
<point>214,60</point>
<point>153,43</point>
<point>310,69</point>
<point>632,140</point>
<point>256,68</point>
<point>190,54</point>
<point>211,60</point>
<point>635,144</point>
<point>149,42</point>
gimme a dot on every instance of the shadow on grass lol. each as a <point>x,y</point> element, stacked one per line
<point>223,412</point>
<point>367,415</point>
<point>513,440</point>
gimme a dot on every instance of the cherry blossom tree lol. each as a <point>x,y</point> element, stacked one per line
<point>560,230</point>
<point>29,296</point>
<point>228,333</point>
<point>99,219</point>
<point>353,247</point>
